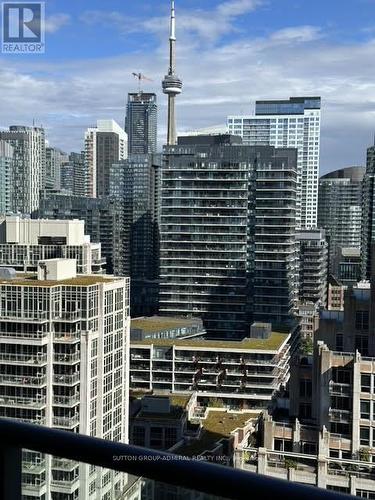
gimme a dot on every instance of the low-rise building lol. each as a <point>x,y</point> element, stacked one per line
<point>241,374</point>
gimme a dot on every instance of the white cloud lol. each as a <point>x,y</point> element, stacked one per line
<point>218,80</point>
<point>297,34</point>
<point>207,25</point>
<point>236,8</point>
<point>56,22</point>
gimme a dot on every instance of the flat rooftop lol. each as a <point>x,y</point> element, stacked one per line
<point>80,280</point>
<point>161,323</point>
<point>217,425</point>
<point>273,343</point>
<point>177,402</point>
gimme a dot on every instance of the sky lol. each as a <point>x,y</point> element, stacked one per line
<point>229,54</point>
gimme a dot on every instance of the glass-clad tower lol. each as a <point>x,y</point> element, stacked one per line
<point>291,123</point>
<point>141,123</point>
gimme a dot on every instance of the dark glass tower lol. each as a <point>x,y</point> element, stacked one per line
<point>339,210</point>
<point>135,182</point>
<point>368,216</point>
<point>141,123</point>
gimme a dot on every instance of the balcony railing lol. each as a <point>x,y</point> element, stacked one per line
<point>163,467</point>
<point>38,359</point>
<point>67,422</point>
<point>66,379</point>
<point>24,381</point>
<point>66,358</point>
<point>66,400</point>
<point>21,402</point>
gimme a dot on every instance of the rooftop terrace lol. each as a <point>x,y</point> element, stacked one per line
<point>273,343</point>
<point>218,425</point>
<point>160,323</point>
<point>178,404</point>
<point>80,280</point>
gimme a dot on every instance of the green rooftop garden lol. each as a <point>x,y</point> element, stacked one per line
<point>273,343</point>
<point>159,323</point>
<point>217,425</point>
<point>80,280</point>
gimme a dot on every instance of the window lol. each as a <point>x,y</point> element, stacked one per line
<point>364,436</point>
<point>309,448</point>
<point>365,409</point>
<point>365,494</point>
<point>139,436</point>
<point>365,383</point>
<point>361,320</point>
<point>170,437</point>
<point>341,376</point>
<point>305,388</point>
<point>304,410</point>
<point>281,445</point>
<point>156,437</point>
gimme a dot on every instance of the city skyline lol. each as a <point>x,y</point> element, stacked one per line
<point>318,58</point>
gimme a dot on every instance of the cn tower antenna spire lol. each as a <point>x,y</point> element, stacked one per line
<point>172,85</point>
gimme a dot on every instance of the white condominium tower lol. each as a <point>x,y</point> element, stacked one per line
<point>291,123</point>
<point>64,350</point>
<point>29,167</point>
<point>105,144</point>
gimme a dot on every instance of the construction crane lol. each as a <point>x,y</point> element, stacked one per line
<point>140,77</point>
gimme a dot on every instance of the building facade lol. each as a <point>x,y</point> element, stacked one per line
<point>29,167</point>
<point>136,183</point>
<point>141,123</point>
<point>54,160</point>
<point>104,223</point>
<point>74,178</point>
<point>242,374</point>
<point>105,144</point>
<point>335,449</point>
<point>63,349</point>
<point>226,208</point>
<point>368,215</point>
<point>24,242</point>
<point>340,211</point>
<point>6,169</point>
<point>313,266</point>
<point>291,123</point>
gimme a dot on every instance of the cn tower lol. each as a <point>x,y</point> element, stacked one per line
<point>172,85</point>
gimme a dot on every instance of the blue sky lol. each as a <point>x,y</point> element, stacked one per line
<point>230,53</point>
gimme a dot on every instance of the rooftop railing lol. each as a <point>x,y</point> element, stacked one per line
<point>163,467</point>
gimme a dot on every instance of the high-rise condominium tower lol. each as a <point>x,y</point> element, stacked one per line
<point>54,159</point>
<point>172,85</point>
<point>135,183</point>
<point>368,216</point>
<point>340,211</point>
<point>29,168</point>
<point>74,178</point>
<point>228,233</point>
<point>141,123</point>
<point>64,349</point>
<point>289,123</point>
<point>105,144</point>
<point>6,169</point>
